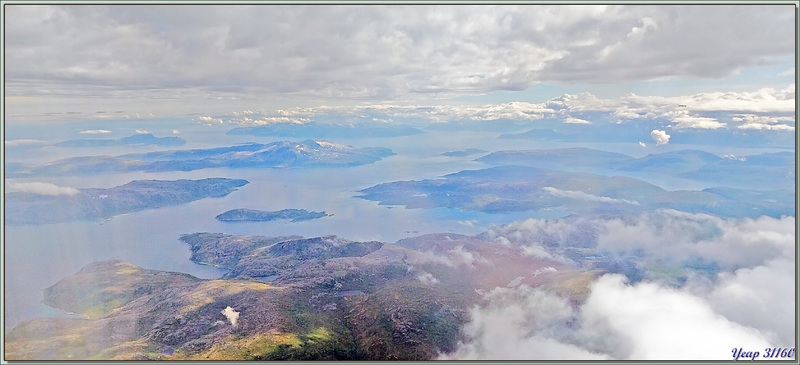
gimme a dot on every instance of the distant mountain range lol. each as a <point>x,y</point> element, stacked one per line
<point>136,139</point>
<point>278,154</point>
<point>768,171</point>
<point>327,130</point>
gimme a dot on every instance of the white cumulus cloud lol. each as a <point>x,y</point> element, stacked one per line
<point>752,121</point>
<point>659,136</point>
<point>696,122</point>
<point>647,321</point>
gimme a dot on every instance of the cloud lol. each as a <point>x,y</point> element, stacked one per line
<point>41,188</point>
<point>762,297</point>
<point>647,321</point>
<point>461,256</point>
<point>685,113</point>
<point>659,136</point>
<point>209,120</point>
<point>679,236</point>
<point>662,235</point>
<point>536,237</point>
<point>427,278</point>
<point>744,305</point>
<point>579,195</point>
<point>766,122</point>
<point>23,142</point>
<point>455,257</point>
<point>519,324</point>
<point>696,122</point>
<point>141,131</point>
<point>642,144</point>
<point>425,51</point>
<point>231,314</point>
<point>95,131</point>
<point>175,131</point>
<point>571,120</point>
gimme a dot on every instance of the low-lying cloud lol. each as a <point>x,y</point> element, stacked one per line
<point>41,188</point>
<point>24,143</point>
<point>520,324</point>
<point>579,195</point>
<point>644,321</point>
<point>231,315</point>
<point>747,303</point>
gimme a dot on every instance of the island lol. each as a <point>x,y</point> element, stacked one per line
<point>251,215</point>
<point>775,170</point>
<point>464,152</point>
<point>288,298</point>
<point>143,139</point>
<point>327,130</point>
<point>103,203</point>
<point>279,154</point>
<point>524,188</point>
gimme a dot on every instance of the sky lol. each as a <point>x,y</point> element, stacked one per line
<point>172,60</point>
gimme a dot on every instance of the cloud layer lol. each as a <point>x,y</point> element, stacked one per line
<point>384,52</point>
<point>763,109</point>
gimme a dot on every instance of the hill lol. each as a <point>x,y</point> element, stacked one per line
<point>96,203</point>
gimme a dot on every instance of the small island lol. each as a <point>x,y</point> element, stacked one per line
<point>252,215</point>
<point>464,152</point>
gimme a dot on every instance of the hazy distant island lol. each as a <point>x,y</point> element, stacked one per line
<point>762,171</point>
<point>280,154</point>
<point>251,215</point>
<point>327,130</point>
<point>464,152</point>
<point>136,139</point>
<point>520,188</point>
<point>96,203</point>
